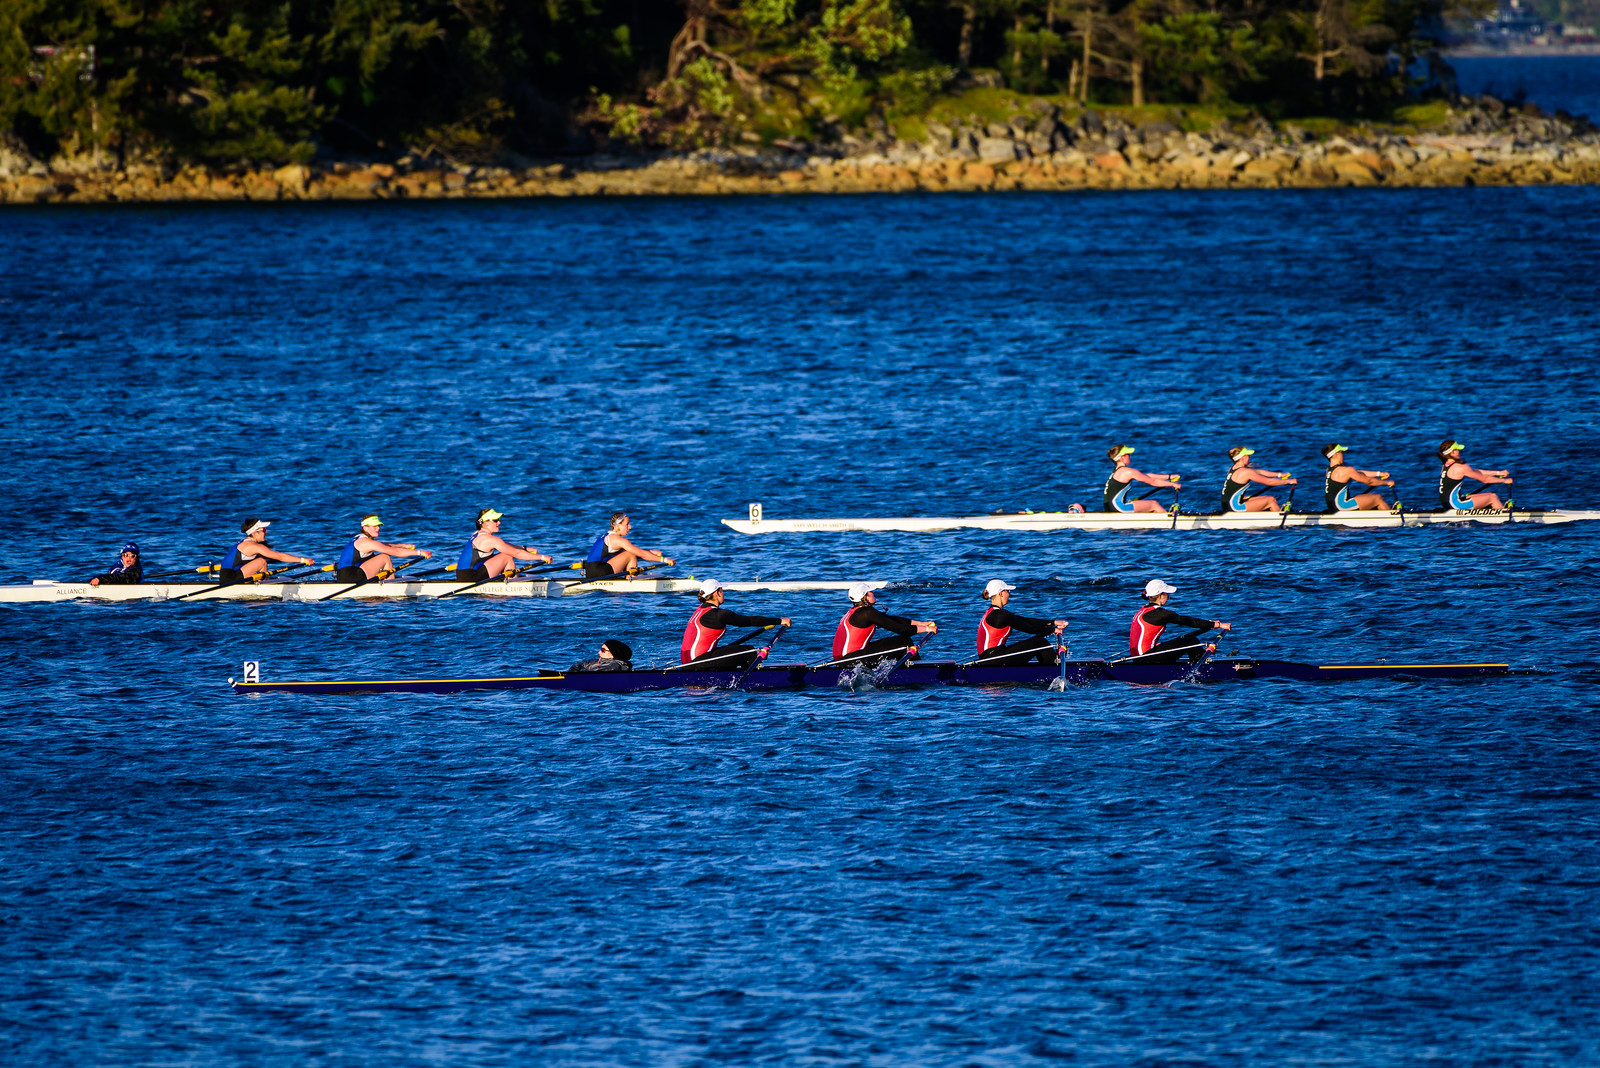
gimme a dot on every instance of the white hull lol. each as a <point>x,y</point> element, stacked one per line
<point>1154,521</point>
<point>318,591</point>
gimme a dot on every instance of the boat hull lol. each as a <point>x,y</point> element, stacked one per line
<point>319,591</point>
<point>926,673</point>
<point>1046,521</point>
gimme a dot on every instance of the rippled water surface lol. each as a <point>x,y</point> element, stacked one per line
<point>1385,872</point>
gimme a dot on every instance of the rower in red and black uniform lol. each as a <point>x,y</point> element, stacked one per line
<point>1235,488</point>
<point>1453,471</point>
<point>366,556</point>
<point>1336,484</point>
<point>998,623</point>
<point>1144,635</point>
<point>706,627</point>
<point>251,556</point>
<point>486,554</point>
<point>1123,476</point>
<point>612,553</point>
<point>128,572</point>
<point>852,639</point>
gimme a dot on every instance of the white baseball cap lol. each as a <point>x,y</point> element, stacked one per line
<point>1155,587</point>
<point>858,590</point>
<point>995,586</point>
<point>709,586</point>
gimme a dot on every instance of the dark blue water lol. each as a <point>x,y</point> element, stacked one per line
<point>1570,83</point>
<point>1375,873</point>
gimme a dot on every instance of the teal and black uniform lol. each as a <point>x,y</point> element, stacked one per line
<point>1235,493</point>
<point>1116,496</point>
<point>1450,495</point>
<point>1337,494</point>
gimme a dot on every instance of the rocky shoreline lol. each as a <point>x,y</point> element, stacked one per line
<point>1480,143</point>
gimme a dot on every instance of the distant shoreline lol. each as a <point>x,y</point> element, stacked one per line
<point>1482,142</point>
<point>1522,51</point>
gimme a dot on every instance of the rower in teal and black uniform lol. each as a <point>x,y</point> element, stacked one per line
<point>251,556</point>
<point>366,556</point>
<point>128,572</point>
<point>1144,634</point>
<point>612,553</point>
<point>1235,495</point>
<point>1336,484</point>
<point>1123,476</point>
<point>999,621</point>
<point>706,627</point>
<point>1453,471</point>
<point>486,554</point>
<point>852,639</point>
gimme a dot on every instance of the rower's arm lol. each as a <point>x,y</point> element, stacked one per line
<point>1002,617</point>
<point>646,554</point>
<point>406,549</point>
<point>1267,478</point>
<point>1154,479</point>
<point>723,618</point>
<point>1166,617</point>
<point>284,558</point>
<point>1371,478</point>
<point>1488,478</point>
<point>869,616</point>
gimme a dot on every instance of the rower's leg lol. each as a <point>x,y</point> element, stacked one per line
<point>1261,504</point>
<point>378,563</point>
<point>1486,500</point>
<point>254,567</point>
<point>496,565</point>
<point>1371,502</point>
<point>724,658</point>
<point>1147,506</point>
<point>622,562</point>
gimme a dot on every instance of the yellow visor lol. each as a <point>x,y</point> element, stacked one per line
<point>1126,450</point>
<point>372,521</point>
<point>491,514</point>
<point>1246,452</point>
<point>1455,446</point>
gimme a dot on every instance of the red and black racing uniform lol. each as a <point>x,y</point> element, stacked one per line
<point>997,625</point>
<point>1144,634</point>
<point>706,628</point>
<point>852,639</point>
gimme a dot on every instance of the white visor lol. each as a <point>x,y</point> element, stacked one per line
<point>260,524</point>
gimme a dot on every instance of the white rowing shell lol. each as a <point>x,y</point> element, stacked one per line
<point>41,590</point>
<point>1152,521</point>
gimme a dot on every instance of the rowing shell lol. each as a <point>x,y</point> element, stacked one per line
<point>926,673</point>
<point>42,590</point>
<point>759,524</point>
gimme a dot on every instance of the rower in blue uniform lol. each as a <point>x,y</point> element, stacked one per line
<point>251,556</point>
<point>1144,634</point>
<point>1236,495</point>
<point>365,557</point>
<point>1453,471</point>
<point>612,553</point>
<point>1336,484</point>
<point>1123,476</point>
<point>999,621</point>
<point>486,554</point>
<point>128,572</point>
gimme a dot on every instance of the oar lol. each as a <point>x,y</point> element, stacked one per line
<point>1061,658</point>
<point>302,574</point>
<point>630,573</point>
<point>761,656</point>
<point>203,569</point>
<point>504,576</point>
<point>753,634</point>
<point>1288,504</point>
<point>436,571</point>
<point>380,576</point>
<point>913,650</point>
<point>251,580</point>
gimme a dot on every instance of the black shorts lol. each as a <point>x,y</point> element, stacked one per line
<point>230,574</point>
<point>596,569</point>
<point>350,574</point>
<point>471,574</point>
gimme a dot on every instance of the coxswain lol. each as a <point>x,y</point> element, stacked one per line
<point>706,627</point>
<point>486,554</point>
<point>852,639</point>
<point>128,572</point>
<point>1123,476</point>
<point>1336,484</point>
<point>365,557</point>
<point>999,621</point>
<point>251,556</point>
<point>1144,635</point>
<point>1235,495</point>
<point>612,553</point>
<point>615,655</point>
<point>1453,471</point>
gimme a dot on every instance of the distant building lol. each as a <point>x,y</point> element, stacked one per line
<point>1511,24</point>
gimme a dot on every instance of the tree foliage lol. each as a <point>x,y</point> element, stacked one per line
<point>257,81</point>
